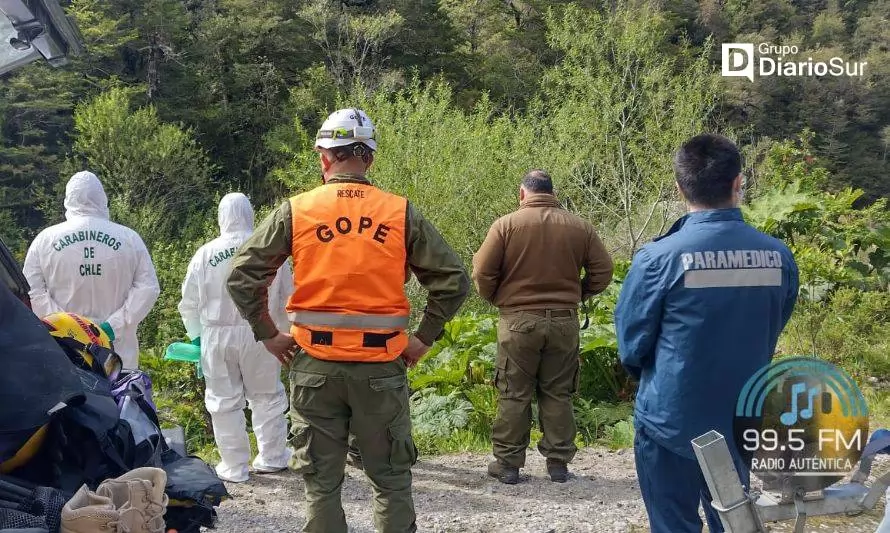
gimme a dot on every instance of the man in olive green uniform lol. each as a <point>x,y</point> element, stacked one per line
<point>529,266</point>
<point>354,246</point>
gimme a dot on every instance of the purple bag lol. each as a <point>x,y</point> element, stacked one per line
<point>134,383</point>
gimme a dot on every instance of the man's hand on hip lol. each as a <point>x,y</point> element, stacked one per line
<point>282,346</point>
<point>415,350</point>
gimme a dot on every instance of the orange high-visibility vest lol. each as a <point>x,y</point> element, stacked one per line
<point>349,302</point>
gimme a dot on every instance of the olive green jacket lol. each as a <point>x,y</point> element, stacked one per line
<point>436,266</point>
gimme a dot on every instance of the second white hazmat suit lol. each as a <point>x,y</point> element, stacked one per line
<point>93,267</point>
<point>236,367</point>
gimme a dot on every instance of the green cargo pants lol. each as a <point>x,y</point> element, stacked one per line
<point>537,355</point>
<point>328,401</point>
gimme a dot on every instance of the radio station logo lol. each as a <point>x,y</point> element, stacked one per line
<point>801,417</point>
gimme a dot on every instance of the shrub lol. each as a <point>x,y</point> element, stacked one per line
<point>454,402</point>
<point>156,172</point>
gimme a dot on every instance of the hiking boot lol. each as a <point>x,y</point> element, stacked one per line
<point>558,470</point>
<point>87,512</point>
<point>139,497</point>
<point>503,473</point>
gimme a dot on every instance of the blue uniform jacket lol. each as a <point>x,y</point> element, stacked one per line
<point>700,311</point>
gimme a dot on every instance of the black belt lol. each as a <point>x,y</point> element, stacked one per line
<point>369,340</point>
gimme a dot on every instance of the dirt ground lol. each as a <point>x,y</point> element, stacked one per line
<point>453,494</point>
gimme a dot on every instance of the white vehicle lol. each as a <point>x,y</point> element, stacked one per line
<point>31,30</point>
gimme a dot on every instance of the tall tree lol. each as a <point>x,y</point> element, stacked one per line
<point>619,103</point>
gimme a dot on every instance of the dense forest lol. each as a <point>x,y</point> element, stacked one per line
<point>197,97</point>
<point>178,102</point>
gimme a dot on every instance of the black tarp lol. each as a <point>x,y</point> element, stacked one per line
<point>35,374</point>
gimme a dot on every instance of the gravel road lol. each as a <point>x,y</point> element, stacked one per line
<point>453,494</point>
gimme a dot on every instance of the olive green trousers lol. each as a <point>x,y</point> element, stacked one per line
<point>537,356</point>
<point>330,400</point>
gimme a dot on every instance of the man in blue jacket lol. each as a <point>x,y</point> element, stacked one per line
<point>700,311</point>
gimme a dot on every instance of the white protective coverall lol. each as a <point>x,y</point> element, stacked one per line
<point>235,365</point>
<point>93,267</point>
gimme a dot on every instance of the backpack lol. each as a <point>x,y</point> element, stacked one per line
<point>37,380</point>
<point>133,383</point>
<point>91,443</point>
<point>132,393</point>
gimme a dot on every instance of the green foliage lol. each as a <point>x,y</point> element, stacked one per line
<point>878,402</point>
<point>612,104</point>
<point>462,440</point>
<point>430,149</point>
<point>834,242</point>
<point>595,418</point>
<point>351,41</point>
<point>600,92</point>
<point>462,358</point>
<point>841,250</point>
<point>34,124</point>
<point>455,402</point>
<point>483,398</point>
<point>178,102</point>
<point>163,325</point>
<point>846,113</point>
<point>437,415</point>
<point>772,212</point>
<point>156,172</point>
<point>620,436</point>
<point>848,327</point>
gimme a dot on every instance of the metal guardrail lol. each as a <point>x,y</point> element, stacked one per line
<point>741,512</point>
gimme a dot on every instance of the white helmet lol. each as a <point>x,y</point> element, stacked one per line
<point>345,127</point>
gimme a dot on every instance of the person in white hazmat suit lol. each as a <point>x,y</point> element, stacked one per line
<point>91,266</point>
<point>235,366</point>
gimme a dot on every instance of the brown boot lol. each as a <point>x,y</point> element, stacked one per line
<point>558,470</point>
<point>87,512</point>
<point>139,497</point>
<point>503,472</point>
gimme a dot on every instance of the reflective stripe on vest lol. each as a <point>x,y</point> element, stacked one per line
<point>336,320</point>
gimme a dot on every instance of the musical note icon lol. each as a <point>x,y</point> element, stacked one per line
<point>790,418</point>
<point>807,413</point>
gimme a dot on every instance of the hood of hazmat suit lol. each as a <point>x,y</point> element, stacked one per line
<point>235,215</point>
<point>85,197</point>
<point>91,266</point>
<point>236,367</point>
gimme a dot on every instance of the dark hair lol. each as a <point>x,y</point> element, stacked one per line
<point>538,181</point>
<point>705,167</point>
<point>361,150</point>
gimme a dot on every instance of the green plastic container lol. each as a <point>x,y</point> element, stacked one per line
<point>183,351</point>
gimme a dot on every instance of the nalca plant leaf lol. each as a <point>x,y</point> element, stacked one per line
<point>439,415</point>
<point>594,418</point>
<point>620,435</point>
<point>463,357</point>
